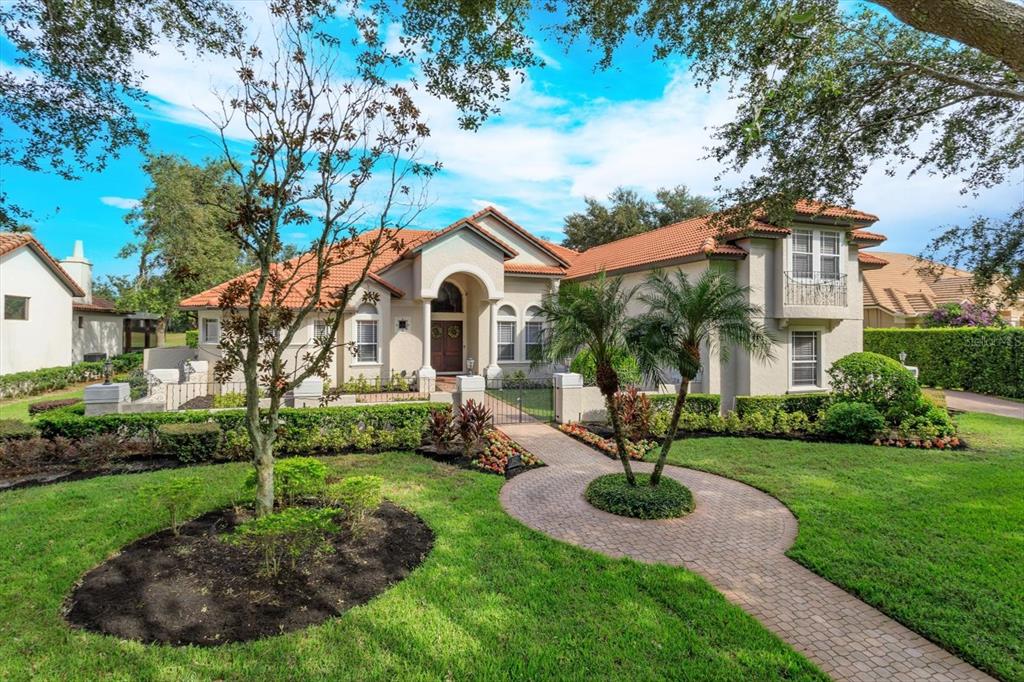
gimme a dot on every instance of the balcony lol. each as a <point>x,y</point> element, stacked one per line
<point>806,289</point>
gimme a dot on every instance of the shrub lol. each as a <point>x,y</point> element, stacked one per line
<point>294,479</point>
<point>634,413</point>
<point>855,422</point>
<point>441,429</point>
<point>357,496</point>
<point>625,366</point>
<point>14,429</point>
<point>985,360</point>
<point>613,494</point>
<point>41,406</point>
<point>230,399</point>
<point>138,384</point>
<point>498,449</point>
<point>697,403</point>
<point>190,443</point>
<point>962,315</point>
<point>290,534</point>
<point>192,338</point>
<point>875,380</point>
<point>48,379</point>
<point>26,454</point>
<point>177,497</point>
<point>474,420</point>
<point>807,403</point>
<point>634,449</point>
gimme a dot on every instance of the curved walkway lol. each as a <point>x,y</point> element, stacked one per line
<point>736,538</point>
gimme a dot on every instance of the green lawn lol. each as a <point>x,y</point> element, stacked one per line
<point>494,600</point>
<point>538,402</point>
<point>174,339</point>
<point>933,538</point>
<point>18,409</point>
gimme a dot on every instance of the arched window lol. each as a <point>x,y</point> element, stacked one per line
<point>449,299</point>
<point>506,333</point>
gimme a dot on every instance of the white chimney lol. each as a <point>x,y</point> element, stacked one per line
<point>80,269</point>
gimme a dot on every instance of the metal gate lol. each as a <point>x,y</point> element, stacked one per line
<point>520,400</point>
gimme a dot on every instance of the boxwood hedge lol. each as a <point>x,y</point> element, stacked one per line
<point>20,384</point>
<point>984,360</point>
<point>697,403</point>
<point>808,403</point>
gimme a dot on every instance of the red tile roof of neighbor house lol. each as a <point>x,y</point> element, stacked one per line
<point>9,241</point>
<point>867,258</point>
<point>98,305</point>
<point>690,239</point>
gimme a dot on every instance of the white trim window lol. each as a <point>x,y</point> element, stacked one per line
<point>533,339</point>
<point>805,358</point>
<point>828,264</point>
<point>320,329</point>
<point>211,330</point>
<point>803,254</point>
<point>506,333</point>
<point>16,308</point>
<point>367,322</point>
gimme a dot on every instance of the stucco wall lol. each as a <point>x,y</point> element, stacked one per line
<point>98,333</point>
<point>44,339</point>
<point>527,251</point>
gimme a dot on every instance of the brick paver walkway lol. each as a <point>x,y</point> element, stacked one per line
<point>735,538</point>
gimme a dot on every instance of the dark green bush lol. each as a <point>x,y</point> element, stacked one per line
<point>877,380</point>
<point>291,534</point>
<point>13,429</point>
<point>37,381</point>
<point>192,338</point>
<point>625,366</point>
<point>697,403</point>
<point>807,403</point>
<point>984,360</point>
<point>853,422</point>
<point>41,406</point>
<point>190,443</point>
<point>613,494</point>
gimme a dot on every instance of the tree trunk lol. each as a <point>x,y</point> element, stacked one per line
<point>673,428</point>
<point>995,27</point>
<point>620,441</point>
<point>263,460</point>
<point>161,332</point>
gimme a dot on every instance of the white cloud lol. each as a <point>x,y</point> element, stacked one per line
<point>120,202</point>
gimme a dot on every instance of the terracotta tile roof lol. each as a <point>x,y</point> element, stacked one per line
<point>866,258</point>
<point>817,208</point>
<point>557,252</point>
<point>864,235</point>
<point>907,285</point>
<point>534,269</point>
<point>9,241</point>
<point>696,237</point>
<point>569,255</point>
<point>340,275</point>
<point>98,305</point>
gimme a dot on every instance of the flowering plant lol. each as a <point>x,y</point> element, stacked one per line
<point>497,450</point>
<point>962,315</point>
<point>635,449</point>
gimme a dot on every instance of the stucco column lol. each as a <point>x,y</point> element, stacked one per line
<point>427,375</point>
<point>492,371</point>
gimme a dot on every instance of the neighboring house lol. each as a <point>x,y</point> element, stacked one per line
<point>471,293</point>
<point>50,317</point>
<point>906,288</point>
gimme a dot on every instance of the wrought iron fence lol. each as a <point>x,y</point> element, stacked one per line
<point>396,389</point>
<point>813,289</point>
<point>205,396</point>
<point>514,400</point>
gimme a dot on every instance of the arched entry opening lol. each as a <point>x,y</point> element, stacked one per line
<point>448,329</point>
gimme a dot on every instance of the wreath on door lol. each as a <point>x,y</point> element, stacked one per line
<point>454,331</point>
<point>435,332</point>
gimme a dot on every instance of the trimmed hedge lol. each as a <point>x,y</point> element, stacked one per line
<point>984,360</point>
<point>192,338</point>
<point>808,403</point>
<point>697,403</point>
<point>22,384</point>
<point>613,494</point>
<point>190,442</point>
<point>302,430</point>
<point>15,429</point>
<point>41,406</point>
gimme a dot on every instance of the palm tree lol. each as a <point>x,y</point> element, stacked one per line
<point>682,318</point>
<point>592,316</point>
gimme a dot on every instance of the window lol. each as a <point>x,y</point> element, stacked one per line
<point>506,340</point>
<point>320,329</point>
<point>803,253</point>
<point>15,307</point>
<point>829,267</point>
<point>805,358</point>
<point>449,299</point>
<point>81,321</point>
<point>366,340</point>
<point>211,330</point>
<point>534,332</point>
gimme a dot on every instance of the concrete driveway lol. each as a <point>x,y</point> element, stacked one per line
<point>975,402</point>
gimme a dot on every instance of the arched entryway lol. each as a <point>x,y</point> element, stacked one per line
<point>448,329</point>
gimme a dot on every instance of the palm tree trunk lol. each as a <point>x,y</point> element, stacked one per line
<point>673,428</point>
<point>620,441</point>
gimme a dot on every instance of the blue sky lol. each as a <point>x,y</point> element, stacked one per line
<point>568,131</point>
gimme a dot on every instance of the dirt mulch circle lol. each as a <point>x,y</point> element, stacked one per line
<point>197,589</point>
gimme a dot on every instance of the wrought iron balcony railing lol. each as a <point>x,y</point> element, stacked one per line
<point>804,288</point>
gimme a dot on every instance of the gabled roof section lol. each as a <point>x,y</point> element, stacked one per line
<point>556,252</point>
<point>464,223</point>
<point>807,207</point>
<point>99,305</point>
<point>906,285</point>
<point>10,241</point>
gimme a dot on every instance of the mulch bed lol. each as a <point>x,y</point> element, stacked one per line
<point>456,459</point>
<point>200,402</point>
<point>14,480</point>
<point>196,589</point>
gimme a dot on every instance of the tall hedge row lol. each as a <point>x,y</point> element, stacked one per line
<point>976,359</point>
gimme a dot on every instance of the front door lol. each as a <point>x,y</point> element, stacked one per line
<point>446,346</point>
